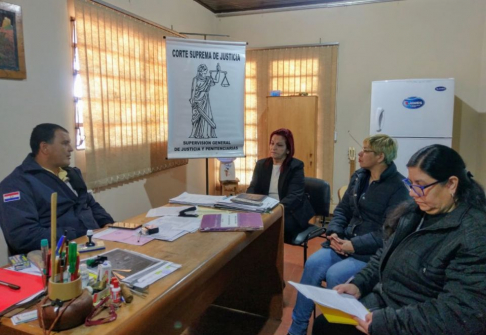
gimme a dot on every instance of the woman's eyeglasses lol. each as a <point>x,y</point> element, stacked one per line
<point>418,189</point>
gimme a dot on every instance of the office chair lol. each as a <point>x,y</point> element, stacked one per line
<point>319,193</point>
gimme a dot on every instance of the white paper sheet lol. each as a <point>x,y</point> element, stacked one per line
<point>173,227</point>
<point>166,211</point>
<point>332,299</point>
<point>196,199</point>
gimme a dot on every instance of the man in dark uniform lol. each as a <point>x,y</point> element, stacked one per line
<point>25,212</point>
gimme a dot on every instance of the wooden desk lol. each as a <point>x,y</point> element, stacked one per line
<point>238,270</point>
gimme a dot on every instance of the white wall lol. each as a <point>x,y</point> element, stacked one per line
<point>395,40</point>
<point>46,96</point>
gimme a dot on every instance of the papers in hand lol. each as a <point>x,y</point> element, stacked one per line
<point>334,301</point>
<point>268,204</point>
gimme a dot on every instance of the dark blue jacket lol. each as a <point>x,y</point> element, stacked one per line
<point>28,220</point>
<point>360,217</point>
<point>291,192</point>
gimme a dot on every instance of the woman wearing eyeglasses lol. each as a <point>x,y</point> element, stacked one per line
<point>355,232</point>
<point>430,278</point>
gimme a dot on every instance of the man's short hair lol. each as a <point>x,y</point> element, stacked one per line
<point>44,132</point>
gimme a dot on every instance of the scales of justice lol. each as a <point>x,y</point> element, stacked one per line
<point>224,82</point>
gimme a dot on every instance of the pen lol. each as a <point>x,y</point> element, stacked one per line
<point>12,286</point>
<point>60,244</point>
<point>349,280</point>
<point>139,235</point>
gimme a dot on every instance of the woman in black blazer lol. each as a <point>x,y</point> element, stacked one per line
<point>281,176</point>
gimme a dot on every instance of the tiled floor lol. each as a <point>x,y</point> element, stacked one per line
<point>215,319</point>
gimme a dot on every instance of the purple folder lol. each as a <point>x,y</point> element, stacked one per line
<point>231,222</point>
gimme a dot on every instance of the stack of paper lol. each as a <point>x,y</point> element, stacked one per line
<point>232,222</point>
<point>268,204</point>
<point>132,237</point>
<point>173,227</point>
<point>337,308</point>
<point>143,269</point>
<point>166,211</point>
<point>196,199</point>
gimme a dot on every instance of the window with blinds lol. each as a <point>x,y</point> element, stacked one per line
<point>121,94</point>
<point>292,70</point>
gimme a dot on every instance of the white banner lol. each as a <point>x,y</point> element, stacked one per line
<point>206,83</point>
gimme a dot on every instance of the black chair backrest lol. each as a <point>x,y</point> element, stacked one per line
<point>320,195</point>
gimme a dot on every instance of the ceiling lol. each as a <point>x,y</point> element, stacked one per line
<point>234,6</point>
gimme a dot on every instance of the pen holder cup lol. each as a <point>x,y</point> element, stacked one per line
<point>64,291</point>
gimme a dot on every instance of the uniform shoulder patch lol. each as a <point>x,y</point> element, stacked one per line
<point>12,196</point>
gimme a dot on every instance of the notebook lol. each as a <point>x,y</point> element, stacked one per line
<point>231,222</point>
<point>249,199</point>
<point>30,285</point>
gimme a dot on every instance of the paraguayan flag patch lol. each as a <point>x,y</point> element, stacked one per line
<point>13,196</point>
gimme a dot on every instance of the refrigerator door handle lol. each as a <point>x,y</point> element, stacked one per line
<point>379,118</point>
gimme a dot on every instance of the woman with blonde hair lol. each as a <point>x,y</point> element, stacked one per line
<point>355,232</point>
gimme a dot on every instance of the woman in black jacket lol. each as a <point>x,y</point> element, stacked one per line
<point>281,176</point>
<point>356,230</point>
<point>430,276</point>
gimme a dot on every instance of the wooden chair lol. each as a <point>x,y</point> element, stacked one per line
<point>341,192</point>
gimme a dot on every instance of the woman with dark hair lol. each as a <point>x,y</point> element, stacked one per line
<point>281,176</point>
<point>430,278</point>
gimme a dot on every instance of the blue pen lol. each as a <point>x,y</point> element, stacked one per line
<point>60,244</point>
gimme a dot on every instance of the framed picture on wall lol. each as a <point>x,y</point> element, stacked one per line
<point>12,56</point>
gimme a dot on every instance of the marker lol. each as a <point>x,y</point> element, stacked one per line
<point>73,256</point>
<point>45,255</point>
<point>12,286</point>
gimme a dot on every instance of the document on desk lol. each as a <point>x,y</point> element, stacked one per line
<point>267,204</point>
<point>334,301</point>
<point>145,278</point>
<point>144,269</point>
<point>166,211</point>
<point>132,237</point>
<point>232,222</point>
<point>196,199</point>
<point>173,227</point>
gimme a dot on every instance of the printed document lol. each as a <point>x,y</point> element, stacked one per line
<point>332,299</point>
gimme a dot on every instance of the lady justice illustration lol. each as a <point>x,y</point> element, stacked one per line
<point>203,125</point>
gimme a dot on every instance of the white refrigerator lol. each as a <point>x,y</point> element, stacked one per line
<point>415,112</point>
